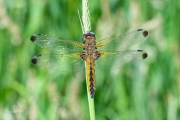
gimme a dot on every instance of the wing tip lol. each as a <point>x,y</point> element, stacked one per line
<point>34,59</point>
<point>144,55</point>
<point>33,38</point>
<point>144,32</point>
<point>139,29</point>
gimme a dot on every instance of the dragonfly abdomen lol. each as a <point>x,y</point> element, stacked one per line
<point>90,72</point>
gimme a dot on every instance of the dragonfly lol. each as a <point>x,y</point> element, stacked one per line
<point>108,53</point>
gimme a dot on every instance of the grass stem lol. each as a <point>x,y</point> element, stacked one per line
<point>87,28</point>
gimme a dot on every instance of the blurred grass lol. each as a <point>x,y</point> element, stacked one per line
<point>149,90</point>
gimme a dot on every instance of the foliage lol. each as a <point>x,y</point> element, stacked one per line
<point>148,90</point>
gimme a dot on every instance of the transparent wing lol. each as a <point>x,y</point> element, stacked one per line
<point>55,44</point>
<point>122,42</point>
<point>59,62</point>
<point>116,60</point>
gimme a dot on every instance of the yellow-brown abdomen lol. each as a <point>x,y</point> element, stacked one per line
<point>90,73</point>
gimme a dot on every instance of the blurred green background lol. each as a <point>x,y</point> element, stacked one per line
<point>149,90</point>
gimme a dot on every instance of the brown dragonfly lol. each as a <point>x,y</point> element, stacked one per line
<point>108,53</point>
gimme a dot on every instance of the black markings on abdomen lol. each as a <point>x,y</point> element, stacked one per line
<point>92,83</point>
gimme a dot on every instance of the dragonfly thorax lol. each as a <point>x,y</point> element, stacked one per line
<point>90,48</point>
<point>88,35</point>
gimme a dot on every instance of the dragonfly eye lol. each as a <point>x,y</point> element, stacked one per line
<point>89,34</point>
<point>92,33</point>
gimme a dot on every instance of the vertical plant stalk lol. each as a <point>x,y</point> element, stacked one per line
<point>87,28</point>
<point>86,16</point>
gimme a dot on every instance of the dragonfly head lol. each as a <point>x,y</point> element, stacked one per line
<point>88,35</point>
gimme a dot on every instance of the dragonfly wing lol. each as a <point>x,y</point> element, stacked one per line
<point>122,42</point>
<point>55,44</point>
<point>116,60</point>
<point>59,62</point>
